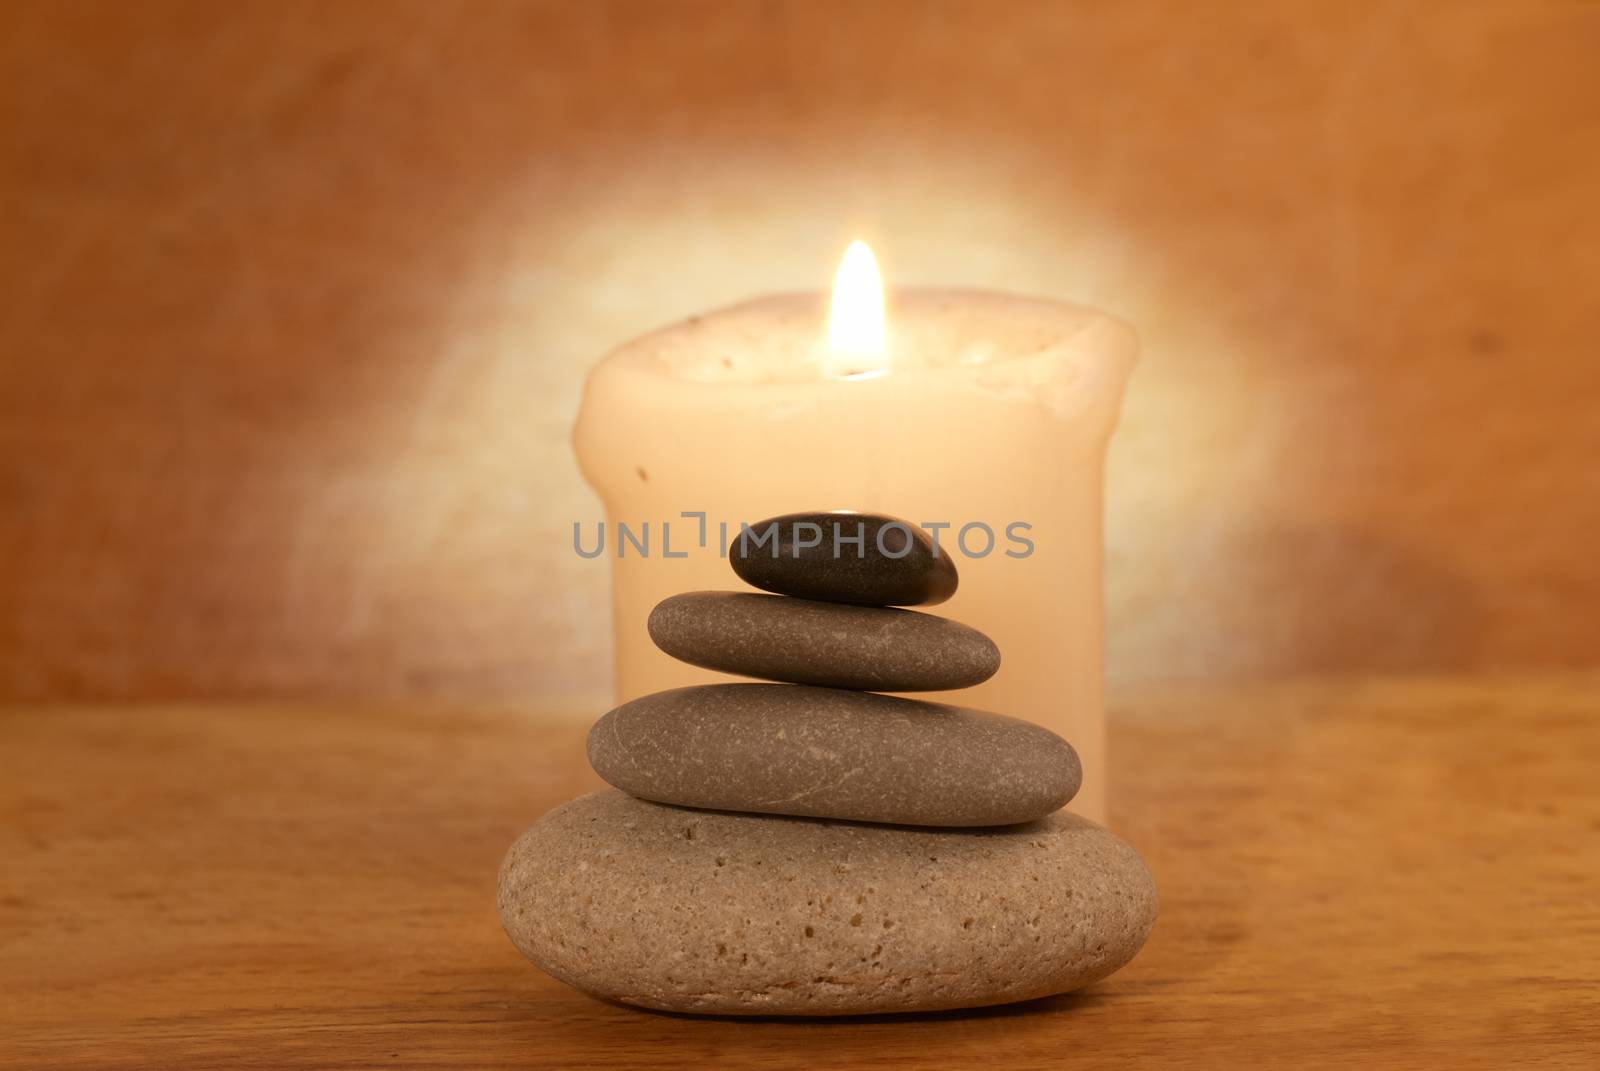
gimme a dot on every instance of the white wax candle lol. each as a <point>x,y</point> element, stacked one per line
<point>989,410</point>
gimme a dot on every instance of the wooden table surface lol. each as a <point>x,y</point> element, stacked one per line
<point>1368,873</point>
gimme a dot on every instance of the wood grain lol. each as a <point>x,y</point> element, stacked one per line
<point>297,300</point>
<point>1353,873</point>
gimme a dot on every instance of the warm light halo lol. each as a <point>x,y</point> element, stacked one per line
<point>857,337</point>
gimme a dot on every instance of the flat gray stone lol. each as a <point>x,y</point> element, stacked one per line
<point>870,648</point>
<point>827,753</point>
<point>730,914</point>
<point>799,554</point>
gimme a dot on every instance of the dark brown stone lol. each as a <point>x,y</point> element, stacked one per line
<point>895,564</point>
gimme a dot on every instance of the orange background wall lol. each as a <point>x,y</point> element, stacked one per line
<point>296,300</point>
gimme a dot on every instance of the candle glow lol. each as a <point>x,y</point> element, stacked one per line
<point>857,337</point>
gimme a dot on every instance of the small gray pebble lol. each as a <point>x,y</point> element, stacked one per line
<point>870,648</point>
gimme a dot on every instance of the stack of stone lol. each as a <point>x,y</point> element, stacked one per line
<point>812,847</point>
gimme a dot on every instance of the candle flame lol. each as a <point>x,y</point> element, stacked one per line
<point>857,339</point>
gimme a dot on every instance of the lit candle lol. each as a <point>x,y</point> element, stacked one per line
<point>983,417</point>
